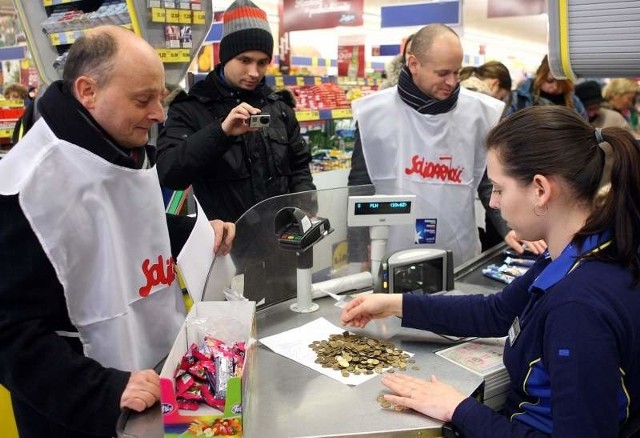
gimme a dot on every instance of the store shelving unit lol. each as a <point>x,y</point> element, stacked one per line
<point>10,112</point>
<point>157,21</point>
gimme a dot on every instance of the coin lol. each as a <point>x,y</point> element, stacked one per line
<point>356,354</point>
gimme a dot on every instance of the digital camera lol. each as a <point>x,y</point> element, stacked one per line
<point>259,121</point>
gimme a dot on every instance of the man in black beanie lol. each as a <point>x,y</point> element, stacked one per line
<point>207,142</point>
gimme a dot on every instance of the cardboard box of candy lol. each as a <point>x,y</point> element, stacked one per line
<point>207,375</point>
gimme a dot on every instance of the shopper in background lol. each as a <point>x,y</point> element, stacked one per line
<point>493,78</point>
<point>590,94</point>
<point>394,67</point>
<point>495,75</point>
<point>544,89</point>
<point>620,95</point>
<point>29,117</point>
<point>572,354</point>
<point>16,92</point>
<point>207,142</point>
<point>427,122</point>
<point>89,302</point>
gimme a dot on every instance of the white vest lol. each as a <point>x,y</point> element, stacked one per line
<point>440,158</point>
<point>104,229</point>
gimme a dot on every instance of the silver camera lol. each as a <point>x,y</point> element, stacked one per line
<point>259,120</point>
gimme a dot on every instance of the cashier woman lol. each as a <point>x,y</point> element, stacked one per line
<point>89,300</point>
<point>572,325</point>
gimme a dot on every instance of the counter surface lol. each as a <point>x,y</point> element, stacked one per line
<point>291,400</point>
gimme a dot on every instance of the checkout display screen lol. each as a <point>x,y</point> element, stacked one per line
<point>424,277</point>
<point>397,207</point>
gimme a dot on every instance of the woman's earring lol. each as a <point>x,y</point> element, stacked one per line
<point>540,211</point>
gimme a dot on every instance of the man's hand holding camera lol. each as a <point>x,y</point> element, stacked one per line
<point>244,118</point>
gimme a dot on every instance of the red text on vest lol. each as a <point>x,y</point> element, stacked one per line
<point>158,273</point>
<point>431,170</point>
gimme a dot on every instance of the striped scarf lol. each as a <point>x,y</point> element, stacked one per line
<point>419,101</point>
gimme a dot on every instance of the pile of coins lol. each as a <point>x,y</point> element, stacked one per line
<point>356,354</point>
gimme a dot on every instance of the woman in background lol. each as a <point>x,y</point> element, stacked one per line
<point>544,89</point>
<point>620,95</point>
<point>495,75</point>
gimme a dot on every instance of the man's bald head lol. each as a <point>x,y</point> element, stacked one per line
<point>425,37</point>
<point>96,54</point>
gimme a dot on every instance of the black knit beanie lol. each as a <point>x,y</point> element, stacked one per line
<point>245,27</point>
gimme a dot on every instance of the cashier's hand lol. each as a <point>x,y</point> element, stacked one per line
<point>225,233</point>
<point>237,121</point>
<point>433,398</point>
<point>363,308</point>
<point>536,247</point>
<point>142,391</point>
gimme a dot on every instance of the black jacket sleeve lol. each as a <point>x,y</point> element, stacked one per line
<point>180,228</point>
<point>46,373</point>
<point>359,174</point>
<point>484,193</point>
<point>187,147</point>
<point>300,178</point>
<point>358,237</point>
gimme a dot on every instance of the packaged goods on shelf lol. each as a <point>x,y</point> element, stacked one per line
<point>66,20</point>
<point>321,96</point>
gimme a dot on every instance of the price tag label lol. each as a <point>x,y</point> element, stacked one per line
<point>198,17</point>
<point>55,39</point>
<point>56,2</point>
<point>174,56</point>
<point>172,16</point>
<point>360,81</point>
<point>163,54</point>
<point>341,113</point>
<point>279,81</point>
<point>305,116</point>
<point>317,80</point>
<point>6,133</point>
<point>158,15</point>
<point>185,16</point>
<point>184,55</point>
<point>299,81</point>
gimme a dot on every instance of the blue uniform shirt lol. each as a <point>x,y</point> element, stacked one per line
<point>574,367</point>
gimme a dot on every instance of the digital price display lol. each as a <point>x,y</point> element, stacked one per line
<point>397,207</point>
<point>373,210</point>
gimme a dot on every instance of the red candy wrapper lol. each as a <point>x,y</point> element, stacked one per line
<point>204,371</point>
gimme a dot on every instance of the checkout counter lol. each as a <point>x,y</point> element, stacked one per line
<point>288,399</point>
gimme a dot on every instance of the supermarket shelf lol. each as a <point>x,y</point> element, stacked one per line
<point>146,20</point>
<point>323,114</point>
<point>6,133</point>
<point>57,2</point>
<point>70,36</point>
<point>300,81</point>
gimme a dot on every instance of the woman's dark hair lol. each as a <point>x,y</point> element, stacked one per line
<point>489,70</point>
<point>91,55</point>
<point>406,45</point>
<point>555,140</point>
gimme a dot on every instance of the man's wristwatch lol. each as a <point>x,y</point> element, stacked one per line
<point>450,431</point>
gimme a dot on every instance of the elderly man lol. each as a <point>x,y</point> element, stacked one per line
<point>89,302</point>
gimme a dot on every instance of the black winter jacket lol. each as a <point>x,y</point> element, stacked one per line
<point>231,174</point>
